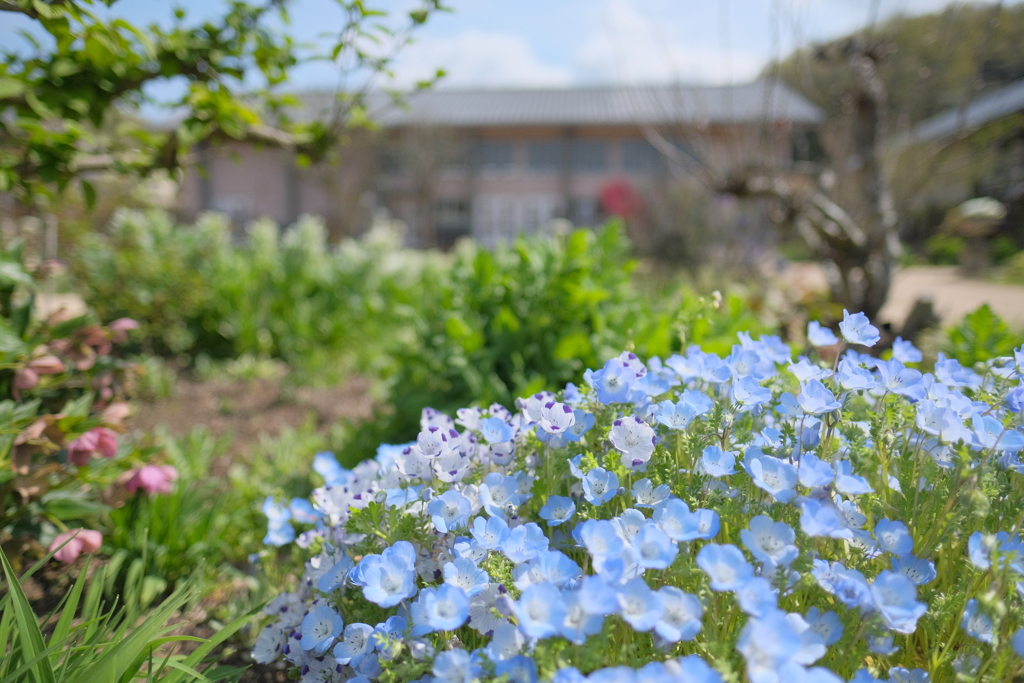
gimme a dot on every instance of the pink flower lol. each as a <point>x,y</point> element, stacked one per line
<point>98,441</point>
<point>152,479</point>
<point>47,365</point>
<point>25,379</point>
<point>78,540</point>
<point>120,327</point>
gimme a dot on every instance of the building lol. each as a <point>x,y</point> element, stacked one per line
<point>493,163</point>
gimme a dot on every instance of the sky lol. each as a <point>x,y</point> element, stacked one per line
<point>557,43</point>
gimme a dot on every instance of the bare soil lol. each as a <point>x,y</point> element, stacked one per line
<point>249,409</point>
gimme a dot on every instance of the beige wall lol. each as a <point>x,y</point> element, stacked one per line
<point>428,166</point>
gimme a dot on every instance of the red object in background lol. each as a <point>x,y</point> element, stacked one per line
<point>618,198</point>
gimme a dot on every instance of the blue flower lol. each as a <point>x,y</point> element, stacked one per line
<point>326,465</point>
<point>816,399</point>
<point>524,543</point>
<point>857,329</point>
<point>918,570</point>
<point>499,493</point>
<point>597,596</point>
<point>583,423</point>
<point>718,463</point>
<point>558,509</point>
<point>390,577</point>
<point>449,511</point>
<point>905,352</point>
<point>853,377</point>
<point>901,380</point>
<point>646,496</point>
<point>675,519</point>
<point>654,549</point>
<point>774,476</point>
<point>749,393</point>
<point>335,577</point>
<point>599,537</point>
<point>894,537</point>
<point>1018,642</point>
<point>568,674</point>
<point>899,674</point>
<point>355,644</point>
<point>942,422</point>
<point>770,541</point>
<point>639,606</point>
<point>725,565</point>
<point>990,433</point>
<point>827,625</point>
<point>895,598</point>
<point>813,471</point>
<point>952,374</point>
<point>600,486</point>
<point>319,629</point>
<point>757,597</point>
<point>819,335</point>
<point>302,511</point>
<point>455,666</point>
<point>518,669</point>
<point>768,644</point>
<point>849,585</point>
<point>848,483</point>
<point>490,533</point>
<point>279,530</point>
<point>495,430</point>
<point>693,669</point>
<point>540,611</point>
<point>681,618</point>
<point>551,566</point>
<point>613,382</point>
<point>446,607</point>
<point>817,519</point>
<point>463,573</point>
<point>977,624</point>
<point>579,623</point>
<point>675,415</point>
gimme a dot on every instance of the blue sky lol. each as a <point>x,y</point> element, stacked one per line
<point>496,43</point>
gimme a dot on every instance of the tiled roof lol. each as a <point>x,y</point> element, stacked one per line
<point>746,103</point>
<point>979,112</point>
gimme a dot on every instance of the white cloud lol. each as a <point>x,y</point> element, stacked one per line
<point>474,58</point>
<point>624,46</point>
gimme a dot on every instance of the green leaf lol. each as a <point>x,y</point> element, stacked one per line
<point>206,648</point>
<point>67,505</point>
<point>63,627</point>
<point>31,637</point>
<point>90,194</point>
<point>10,87</point>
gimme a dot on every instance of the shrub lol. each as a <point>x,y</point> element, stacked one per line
<point>91,641</point>
<point>62,400</point>
<point>694,518</point>
<point>287,295</point>
<point>981,335</point>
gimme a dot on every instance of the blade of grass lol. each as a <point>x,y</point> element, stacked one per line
<point>203,650</point>
<point>116,660</point>
<point>63,627</point>
<point>28,627</point>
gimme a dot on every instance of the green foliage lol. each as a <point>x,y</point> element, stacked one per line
<point>980,336</point>
<point>93,641</point>
<point>287,296</point>
<point>60,381</point>
<point>945,249</point>
<point>58,92</point>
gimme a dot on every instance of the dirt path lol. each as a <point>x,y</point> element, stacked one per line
<point>953,294</point>
<point>249,408</point>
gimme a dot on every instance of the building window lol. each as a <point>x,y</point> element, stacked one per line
<point>589,155</point>
<point>495,155</point>
<point>452,221</point>
<point>544,155</point>
<point>638,156</point>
